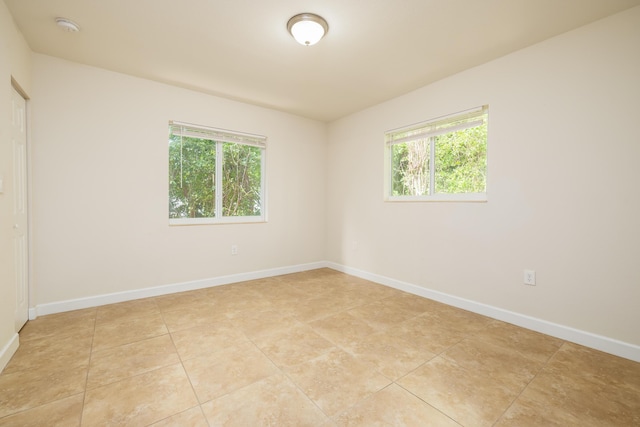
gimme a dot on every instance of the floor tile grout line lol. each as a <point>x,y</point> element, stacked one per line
<point>340,347</point>
<point>138,374</point>
<point>39,406</point>
<point>540,369</point>
<point>86,380</point>
<point>440,355</point>
<point>184,369</point>
<point>125,319</point>
<point>200,404</point>
<point>422,400</point>
<point>364,399</point>
<point>283,372</point>
<point>280,370</point>
<point>178,413</point>
<point>175,347</point>
<point>186,373</point>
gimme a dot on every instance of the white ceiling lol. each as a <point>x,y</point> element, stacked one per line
<point>240,49</point>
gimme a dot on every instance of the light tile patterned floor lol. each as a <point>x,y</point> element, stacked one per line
<point>318,348</point>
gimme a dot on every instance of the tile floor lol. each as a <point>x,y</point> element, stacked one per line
<point>318,348</point>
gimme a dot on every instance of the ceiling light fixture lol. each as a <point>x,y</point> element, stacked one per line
<point>67,25</point>
<point>307,28</point>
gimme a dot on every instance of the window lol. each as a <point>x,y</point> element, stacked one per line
<point>215,176</point>
<point>443,159</point>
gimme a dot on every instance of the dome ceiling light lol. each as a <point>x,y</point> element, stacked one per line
<point>67,25</point>
<point>307,28</point>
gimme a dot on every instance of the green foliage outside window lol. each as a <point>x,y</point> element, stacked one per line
<point>192,178</point>
<point>460,159</point>
<point>411,168</point>
<point>241,180</point>
<point>192,172</point>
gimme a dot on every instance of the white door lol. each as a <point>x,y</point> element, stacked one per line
<point>20,222</point>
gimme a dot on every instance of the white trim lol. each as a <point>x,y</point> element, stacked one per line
<point>222,220</point>
<point>440,197</point>
<point>98,300</point>
<point>588,339</point>
<point>436,132</point>
<point>447,118</point>
<point>217,191</point>
<point>9,350</point>
<point>216,134</point>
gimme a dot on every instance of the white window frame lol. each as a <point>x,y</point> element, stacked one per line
<point>221,136</point>
<point>457,121</point>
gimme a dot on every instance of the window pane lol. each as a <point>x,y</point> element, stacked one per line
<point>410,168</point>
<point>192,171</point>
<point>241,182</point>
<point>461,161</point>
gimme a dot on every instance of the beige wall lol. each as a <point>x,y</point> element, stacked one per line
<point>15,62</point>
<point>100,186</point>
<point>563,194</point>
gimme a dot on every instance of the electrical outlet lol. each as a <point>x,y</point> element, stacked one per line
<point>530,277</point>
<point>234,249</point>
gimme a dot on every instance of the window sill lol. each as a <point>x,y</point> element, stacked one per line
<point>212,221</point>
<point>464,198</point>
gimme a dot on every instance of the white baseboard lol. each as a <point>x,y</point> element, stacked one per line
<point>588,339</point>
<point>95,301</point>
<point>8,350</point>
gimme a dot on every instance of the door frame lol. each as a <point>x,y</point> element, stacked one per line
<point>18,88</point>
